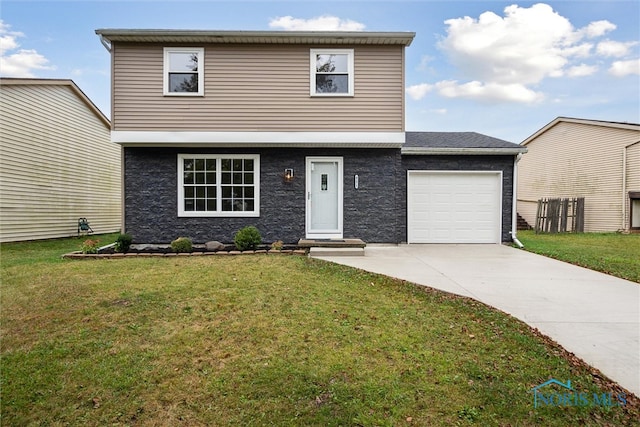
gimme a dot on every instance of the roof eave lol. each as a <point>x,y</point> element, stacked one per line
<point>618,125</point>
<point>268,37</point>
<point>469,151</point>
<point>59,82</point>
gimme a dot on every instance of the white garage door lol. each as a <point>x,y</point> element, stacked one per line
<point>454,207</point>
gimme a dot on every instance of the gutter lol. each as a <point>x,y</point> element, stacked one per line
<point>514,210</point>
<point>421,151</point>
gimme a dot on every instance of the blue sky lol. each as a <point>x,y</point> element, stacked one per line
<point>504,69</point>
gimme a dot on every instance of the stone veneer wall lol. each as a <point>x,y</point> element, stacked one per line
<point>462,163</point>
<point>370,212</point>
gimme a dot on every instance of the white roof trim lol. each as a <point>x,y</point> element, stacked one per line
<point>469,151</point>
<point>263,139</point>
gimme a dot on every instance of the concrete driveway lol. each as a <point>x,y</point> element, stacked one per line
<point>593,315</point>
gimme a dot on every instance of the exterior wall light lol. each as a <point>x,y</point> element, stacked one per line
<point>288,175</point>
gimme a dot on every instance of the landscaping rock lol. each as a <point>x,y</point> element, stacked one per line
<point>214,246</point>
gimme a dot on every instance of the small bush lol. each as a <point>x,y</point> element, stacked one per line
<point>277,245</point>
<point>90,246</point>
<point>247,238</point>
<point>182,244</point>
<point>123,242</point>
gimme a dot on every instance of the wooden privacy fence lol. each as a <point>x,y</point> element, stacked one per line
<point>560,215</point>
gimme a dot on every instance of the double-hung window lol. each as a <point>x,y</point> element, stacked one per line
<point>332,72</point>
<point>219,185</point>
<point>183,71</point>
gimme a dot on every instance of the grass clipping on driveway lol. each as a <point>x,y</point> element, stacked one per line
<point>268,340</point>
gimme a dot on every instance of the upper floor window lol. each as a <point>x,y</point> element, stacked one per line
<point>183,71</point>
<point>332,72</point>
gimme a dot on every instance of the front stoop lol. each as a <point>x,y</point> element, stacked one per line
<point>333,247</point>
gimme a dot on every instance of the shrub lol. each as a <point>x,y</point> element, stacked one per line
<point>182,244</point>
<point>277,245</point>
<point>90,246</point>
<point>247,238</point>
<point>123,242</point>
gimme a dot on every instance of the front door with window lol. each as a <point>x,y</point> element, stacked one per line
<point>324,197</point>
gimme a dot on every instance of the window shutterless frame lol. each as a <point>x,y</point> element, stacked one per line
<point>183,71</point>
<point>331,72</point>
<point>218,185</point>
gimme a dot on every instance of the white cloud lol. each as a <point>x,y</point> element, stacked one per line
<point>441,111</point>
<point>424,62</point>
<point>489,92</point>
<point>625,68</point>
<point>8,38</point>
<point>582,70</point>
<point>21,63</point>
<point>597,29</point>
<point>417,92</point>
<point>319,23</point>
<point>615,49</point>
<point>503,57</point>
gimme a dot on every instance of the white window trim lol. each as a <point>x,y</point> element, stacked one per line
<point>220,213</point>
<point>197,50</point>
<point>312,70</point>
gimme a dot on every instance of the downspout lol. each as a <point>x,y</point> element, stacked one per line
<point>105,43</point>
<point>624,187</point>
<point>514,213</point>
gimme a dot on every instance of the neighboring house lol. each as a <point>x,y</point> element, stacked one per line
<point>298,133</point>
<point>57,163</point>
<point>594,159</point>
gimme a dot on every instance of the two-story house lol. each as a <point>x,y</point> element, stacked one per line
<point>298,133</point>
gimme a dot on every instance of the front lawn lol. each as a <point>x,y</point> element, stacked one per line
<point>611,253</point>
<point>267,340</point>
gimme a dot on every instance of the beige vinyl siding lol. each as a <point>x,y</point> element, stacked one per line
<point>57,164</point>
<point>577,160</point>
<point>257,88</point>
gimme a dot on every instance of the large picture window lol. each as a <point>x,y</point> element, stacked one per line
<point>218,185</point>
<point>183,71</point>
<point>332,72</point>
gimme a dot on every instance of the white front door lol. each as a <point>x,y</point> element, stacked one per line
<point>324,197</point>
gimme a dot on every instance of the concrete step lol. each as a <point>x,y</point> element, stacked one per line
<point>323,252</point>
<point>331,243</point>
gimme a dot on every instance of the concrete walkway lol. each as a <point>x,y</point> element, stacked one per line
<point>593,315</point>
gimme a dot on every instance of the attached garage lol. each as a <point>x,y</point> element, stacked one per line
<point>458,188</point>
<point>454,206</point>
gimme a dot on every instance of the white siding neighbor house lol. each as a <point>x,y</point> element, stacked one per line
<point>597,160</point>
<point>57,162</point>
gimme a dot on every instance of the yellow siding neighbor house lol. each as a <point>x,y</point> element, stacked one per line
<point>57,162</point>
<point>597,160</point>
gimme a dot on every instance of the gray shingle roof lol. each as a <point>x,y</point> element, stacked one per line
<point>457,143</point>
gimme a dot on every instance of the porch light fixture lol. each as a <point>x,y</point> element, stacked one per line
<point>288,175</point>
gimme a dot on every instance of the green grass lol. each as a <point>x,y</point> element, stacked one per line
<point>265,340</point>
<point>612,253</point>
